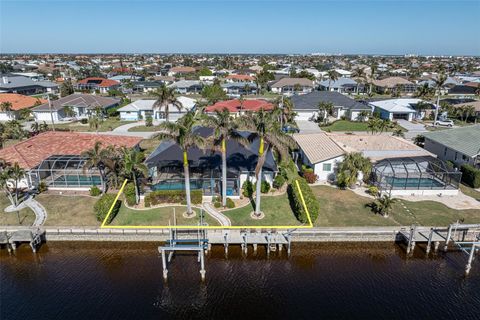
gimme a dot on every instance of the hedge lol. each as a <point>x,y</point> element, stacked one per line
<point>297,204</point>
<point>470,176</point>
<point>130,195</point>
<point>172,196</point>
<point>102,206</point>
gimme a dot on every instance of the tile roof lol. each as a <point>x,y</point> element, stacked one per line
<point>31,152</point>
<point>293,81</point>
<point>318,147</point>
<point>474,104</point>
<point>19,101</point>
<point>182,69</point>
<point>79,100</point>
<point>391,82</point>
<point>101,82</point>
<point>465,140</point>
<point>234,105</point>
<point>240,77</point>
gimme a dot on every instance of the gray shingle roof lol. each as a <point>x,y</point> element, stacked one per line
<point>465,140</point>
<point>310,101</point>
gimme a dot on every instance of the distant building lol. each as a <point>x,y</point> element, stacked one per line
<point>342,85</point>
<point>237,107</point>
<point>97,84</point>
<point>187,86</point>
<point>290,86</point>
<point>236,89</point>
<point>140,109</point>
<point>23,85</point>
<point>395,84</point>
<point>394,109</point>
<point>177,71</point>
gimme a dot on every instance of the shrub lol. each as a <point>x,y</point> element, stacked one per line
<point>310,176</point>
<point>146,202</point>
<point>306,168</point>
<point>470,176</point>
<point>94,191</point>
<point>130,195</point>
<point>264,188</point>
<point>217,204</point>
<point>42,186</point>
<point>112,112</point>
<point>102,206</point>
<point>148,121</point>
<point>230,203</point>
<point>83,121</point>
<point>247,189</point>
<point>373,190</point>
<point>279,181</point>
<point>296,201</point>
<point>173,196</point>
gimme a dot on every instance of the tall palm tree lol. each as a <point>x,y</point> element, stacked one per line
<point>359,75</point>
<point>424,91</point>
<point>97,157</point>
<point>373,70</point>
<point>265,127</point>
<point>6,107</point>
<point>439,83</point>
<point>332,76</point>
<point>166,99</point>
<point>182,132</point>
<point>326,109</point>
<point>225,127</point>
<point>7,174</point>
<point>133,166</point>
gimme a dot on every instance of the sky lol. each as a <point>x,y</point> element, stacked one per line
<point>438,27</point>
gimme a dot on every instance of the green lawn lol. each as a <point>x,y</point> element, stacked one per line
<point>144,128</point>
<point>107,125</point>
<point>277,213</point>
<point>470,192</point>
<point>349,126</point>
<point>158,217</point>
<point>68,210</point>
<point>340,208</point>
<point>27,216</point>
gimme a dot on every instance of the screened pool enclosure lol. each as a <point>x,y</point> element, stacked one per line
<point>65,171</point>
<point>419,173</point>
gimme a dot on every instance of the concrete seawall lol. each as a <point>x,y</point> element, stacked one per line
<point>351,234</point>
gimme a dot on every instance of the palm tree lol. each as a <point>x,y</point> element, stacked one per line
<point>265,127</point>
<point>374,124</point>
<point>373,70</point>
<point>133,166</point>
<point>398,133</point>
<point>6,107</point>
<point>362,115</point>
<point>424,91</point>
<point>439,83</point>
<point>97,157</point>
<point>166,99</point>
<point>326,109</point>
<point>352,164</point>
<point>225,127</point>
<point>5,178</point>
<point>359,75</point>
<point>94,122</point>
<point>332,76</point>
<point>182,132</point>
<point>385,204</point>
<point>284,110</point>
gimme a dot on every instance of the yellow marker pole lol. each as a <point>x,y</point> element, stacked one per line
<point>114,202</point>
<point>304,205</point>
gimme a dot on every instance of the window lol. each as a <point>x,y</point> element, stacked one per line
<point>327,167</point>
<point>445,151</point>
<point>456,155</point>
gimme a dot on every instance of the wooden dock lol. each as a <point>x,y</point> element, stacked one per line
<point>33,238</point>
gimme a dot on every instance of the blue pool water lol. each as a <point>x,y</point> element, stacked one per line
<point>74,180</point>
<point>194,185</point>
<point>421,183</point>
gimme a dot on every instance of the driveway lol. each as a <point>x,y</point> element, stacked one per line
<point>306,126</point>
<point>413,129</point>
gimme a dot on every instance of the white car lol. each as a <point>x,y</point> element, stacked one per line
<point>446,123</point>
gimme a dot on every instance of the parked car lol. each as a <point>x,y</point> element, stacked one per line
<point>445,123</point>
<point>290,129</point>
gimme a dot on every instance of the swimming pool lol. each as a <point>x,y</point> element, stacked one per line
<point>176,185</point>
<point>77,180</point>
<point>414,183</point>
<point>208,186</point>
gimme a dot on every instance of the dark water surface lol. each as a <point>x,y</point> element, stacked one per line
<point>319,281</point>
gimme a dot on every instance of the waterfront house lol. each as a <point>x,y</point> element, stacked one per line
<point>55,157</point>
<point>394,109</point>
<point>140,109</point>
<point>458,145</point>
<point>237,106</point>
<point>290,86</point>
<point>306,106</point>
<point>187,86</point>
<point>10,83</point>
<point>18,103</point>
<point>81,104</point>
<point>342,85</point>
<point>101,85</point>
<point>166,166</point>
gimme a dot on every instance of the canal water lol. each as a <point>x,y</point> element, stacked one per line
<point>318,281</point>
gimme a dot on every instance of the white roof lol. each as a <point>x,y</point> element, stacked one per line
<point>147,105</point>
<point>396,105</point>
<point>343,72</point>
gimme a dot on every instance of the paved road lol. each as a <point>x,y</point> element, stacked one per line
<point>308,126</point>
<point>222,219</point>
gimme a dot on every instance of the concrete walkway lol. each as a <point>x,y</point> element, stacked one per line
<point>413,129</point>
<point>35,206</point>
<point>306,126</point>
<point>221,218</point>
